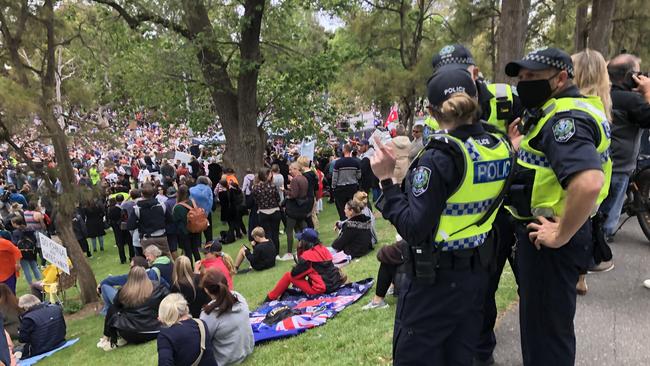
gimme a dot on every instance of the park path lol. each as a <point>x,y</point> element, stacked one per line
<point>613,321</point>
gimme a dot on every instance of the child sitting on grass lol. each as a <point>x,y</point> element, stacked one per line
<point>314,272</point>
<point>262,254</point>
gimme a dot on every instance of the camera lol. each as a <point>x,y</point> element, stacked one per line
<point>629,82</point>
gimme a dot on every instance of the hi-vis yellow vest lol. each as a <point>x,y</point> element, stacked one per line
<point>486,170</point>
<point>502,93</point>
<point>548,197</point>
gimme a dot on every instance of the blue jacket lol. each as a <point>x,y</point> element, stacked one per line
<point>202,195</point>
<point>17,197</point>
<point>42,329</point>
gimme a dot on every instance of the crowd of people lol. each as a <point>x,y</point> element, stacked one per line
<point>574,124</point>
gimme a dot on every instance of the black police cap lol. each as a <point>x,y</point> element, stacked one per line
<point>443,85</point>
<point>452,56</point>
<point>540,59</point>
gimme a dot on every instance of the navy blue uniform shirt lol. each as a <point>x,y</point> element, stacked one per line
<point>416,212</point>
<point>569,150</point>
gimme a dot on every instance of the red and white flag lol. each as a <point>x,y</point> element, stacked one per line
<point>392,116</point>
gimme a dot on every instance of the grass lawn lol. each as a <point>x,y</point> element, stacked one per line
<point>354,337</point>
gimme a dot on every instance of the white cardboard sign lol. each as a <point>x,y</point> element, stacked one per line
<point>54,252</point>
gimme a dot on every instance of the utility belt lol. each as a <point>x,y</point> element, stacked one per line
<point>427,260</point>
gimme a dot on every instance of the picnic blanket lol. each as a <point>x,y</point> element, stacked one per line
<point>32,360</point>
<point>314,310</point>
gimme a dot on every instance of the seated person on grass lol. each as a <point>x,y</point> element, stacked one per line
<point>42,327</point>
<point>160,263</point>
<point>133,317</point>
<point>182,341</point>
<point>109,286</point>
<point>187,283</point>
<point>392,269</point>
<point>215,258</point>
<point>226,316</point>
<point>355,233</point>
<point>314,272</point>
<point>262,255</point>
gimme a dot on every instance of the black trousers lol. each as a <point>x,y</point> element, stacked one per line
<point>271,225</point>
<point>120,241</point>
<point>547,291</point>
<point>341,196</point>
<point>505,240</point>
<point>385,276</point>
<point>83,243</point>
<point>208,232</point>
<point>190,243</point>
<point>439,324</point>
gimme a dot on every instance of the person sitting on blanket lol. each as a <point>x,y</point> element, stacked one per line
<point>107,289</point>
<point>182,340</point>
<point>215,258</point>
<point>262,254</point>
<point>133,316</point>
<point>355,233</point>
<point>159,262</point>
<point>314,272</point>
<point>42,326</point>
<point>226,315</point>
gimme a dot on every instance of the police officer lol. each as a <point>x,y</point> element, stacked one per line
<point>447,210</point>
<point>500,107</point>
<point>563,173</point>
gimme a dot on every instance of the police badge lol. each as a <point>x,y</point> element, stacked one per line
<point>420,182</point>
<point>564,129</point>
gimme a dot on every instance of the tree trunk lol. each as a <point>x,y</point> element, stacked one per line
<point>65,202</point>
<point>511,39</point>
<point>600,29</point>
<point>580,37</point>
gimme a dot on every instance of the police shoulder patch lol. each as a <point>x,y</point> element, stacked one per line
<point>564,129</point>
<point>420,182</point>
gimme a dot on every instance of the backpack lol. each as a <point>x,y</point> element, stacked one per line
<point>27,244</point>
<point>197,220</point>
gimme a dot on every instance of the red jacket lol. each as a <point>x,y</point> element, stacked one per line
<point>316,265</point>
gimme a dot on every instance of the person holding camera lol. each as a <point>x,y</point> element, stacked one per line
<point>630,113</point>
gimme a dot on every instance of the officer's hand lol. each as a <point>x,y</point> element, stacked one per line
<point>643,85</point>
<point>514,134</point>
<point>545,233</point>
<point>383,161</point>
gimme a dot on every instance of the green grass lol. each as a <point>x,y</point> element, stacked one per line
<point>354,337</point>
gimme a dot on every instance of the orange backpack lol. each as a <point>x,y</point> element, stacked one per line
<point>197,220</point>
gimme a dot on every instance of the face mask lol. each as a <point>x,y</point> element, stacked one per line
<point>533,93</point>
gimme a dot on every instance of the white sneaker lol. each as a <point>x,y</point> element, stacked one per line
<point>646,283</point>
<point>121,342</point>
<point>102,342</point>
<point>375,305</point>
<point>287,257</point>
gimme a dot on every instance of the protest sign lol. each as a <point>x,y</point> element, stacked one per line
<point>307,149</point>
<point>54,253</point>
<point>183,157</point>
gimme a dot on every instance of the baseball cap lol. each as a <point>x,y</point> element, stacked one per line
<point>452,56</point>
<point>540,59</point>
<point>309,235</point>
<point>213,247</point>
<point>442,85</point>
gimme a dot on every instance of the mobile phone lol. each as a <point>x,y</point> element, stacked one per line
<point>380,202</point>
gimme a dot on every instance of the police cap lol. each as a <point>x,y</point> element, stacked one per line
<point>540,59</point>
<point>452,56</point>
<point>443,84</point>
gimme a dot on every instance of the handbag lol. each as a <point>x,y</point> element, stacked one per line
<point>202,344</point>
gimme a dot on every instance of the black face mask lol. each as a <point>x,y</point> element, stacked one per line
<point>533,93</point>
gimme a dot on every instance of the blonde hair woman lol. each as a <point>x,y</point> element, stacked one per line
<point>186,282</point>
<point>133,316</point>
<point>591,77</point>
<point>436,202</point>
<point>182,341</point>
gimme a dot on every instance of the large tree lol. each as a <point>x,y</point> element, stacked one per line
<point>511,39</point>
<point>31,35</point>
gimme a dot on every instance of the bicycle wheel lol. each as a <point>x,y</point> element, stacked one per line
<point>642,202</point>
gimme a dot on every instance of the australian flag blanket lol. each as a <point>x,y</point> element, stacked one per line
<point>311,311</point>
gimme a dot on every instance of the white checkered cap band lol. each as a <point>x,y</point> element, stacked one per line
<point>550,62</point>
<point>455,60</point>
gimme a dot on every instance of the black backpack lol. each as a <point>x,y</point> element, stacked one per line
<point>27,244</point>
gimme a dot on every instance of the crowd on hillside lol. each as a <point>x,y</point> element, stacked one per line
<point>160,212</point>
